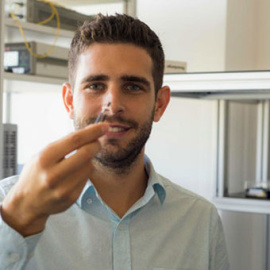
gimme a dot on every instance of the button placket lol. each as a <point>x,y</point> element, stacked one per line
<point>121,246</point>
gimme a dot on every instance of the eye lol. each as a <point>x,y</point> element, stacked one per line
<point>95,87</point>
<point>132,87</point>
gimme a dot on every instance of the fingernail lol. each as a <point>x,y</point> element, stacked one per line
<point>105,127</point>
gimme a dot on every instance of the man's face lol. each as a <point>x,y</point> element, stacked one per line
<point>122,75</point>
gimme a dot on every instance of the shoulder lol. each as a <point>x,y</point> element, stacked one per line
<point>6,184</point>
<point>175,194</point>
<point>178,195</point>
<point>193,208</point>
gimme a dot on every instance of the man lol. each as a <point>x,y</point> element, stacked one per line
<point>93,200</point>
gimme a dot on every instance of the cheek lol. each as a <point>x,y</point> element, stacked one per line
<point>146,113</point>
<point>82,106</point>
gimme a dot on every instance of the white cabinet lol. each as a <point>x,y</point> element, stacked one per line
<point>242,131</point>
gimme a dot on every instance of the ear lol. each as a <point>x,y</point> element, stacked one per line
<point>162,101</point>
<point>67,96</point>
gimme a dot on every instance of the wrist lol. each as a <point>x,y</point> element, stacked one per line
<point>21,221</point>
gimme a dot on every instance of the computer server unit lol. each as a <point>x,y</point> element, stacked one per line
<point>18,59</point>
<point>10,150</point>
<point>34,11</point>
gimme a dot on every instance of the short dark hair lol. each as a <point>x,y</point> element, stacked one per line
<point>118,28</point>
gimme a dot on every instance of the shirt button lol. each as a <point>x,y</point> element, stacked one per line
<point>89,201</point>
<point>30,255</point>
<point>121,227</point>
<point>14,257</point>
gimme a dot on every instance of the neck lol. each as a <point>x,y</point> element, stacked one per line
<point>120,190</point>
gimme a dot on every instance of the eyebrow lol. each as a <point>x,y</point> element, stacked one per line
<point>124,78</point>
<point>100,77</point>
<point>131,78</point>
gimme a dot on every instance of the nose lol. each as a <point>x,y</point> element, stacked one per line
<point>115,99</point>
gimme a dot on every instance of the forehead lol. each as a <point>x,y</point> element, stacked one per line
<point>114,60</point>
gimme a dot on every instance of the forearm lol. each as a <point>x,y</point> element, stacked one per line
<point>15,250</point>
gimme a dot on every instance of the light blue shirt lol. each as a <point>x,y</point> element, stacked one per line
<point>169,228</point>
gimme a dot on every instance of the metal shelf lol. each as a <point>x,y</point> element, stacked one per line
<point>38,28</point>
<point>32,78</point>
<point>84,2</point>
<point>220,85</point>
<point>243,205</point>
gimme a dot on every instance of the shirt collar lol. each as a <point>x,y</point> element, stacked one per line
<point>154,183</point>
<point>88,188</point>
<point>154,180</point>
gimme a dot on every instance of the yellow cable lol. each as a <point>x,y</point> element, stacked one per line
<point>54,13</point>
<point>48,19</point>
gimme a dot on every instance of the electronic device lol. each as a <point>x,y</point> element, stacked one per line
<point>259,191</point>
<point>10,150</point>
<point>175,67</point>
<point>18,59</point>
<point>34,11</point>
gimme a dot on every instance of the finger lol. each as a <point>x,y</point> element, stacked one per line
<point>77,181</point>
<point>76,161</point>
<point>66,192</point>
<point>58,150</point>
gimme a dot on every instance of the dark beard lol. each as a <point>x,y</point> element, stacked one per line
<point>120,162</point>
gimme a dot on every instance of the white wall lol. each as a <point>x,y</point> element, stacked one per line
<point>263,44</point>
<point>192,31</point>
<point>241,33</point>
<point>40,116</point>
<point>248,35</point>
<point>182,145</point>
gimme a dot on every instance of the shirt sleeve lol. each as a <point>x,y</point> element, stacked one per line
<point>218,252</point>
<point>15,250</point>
